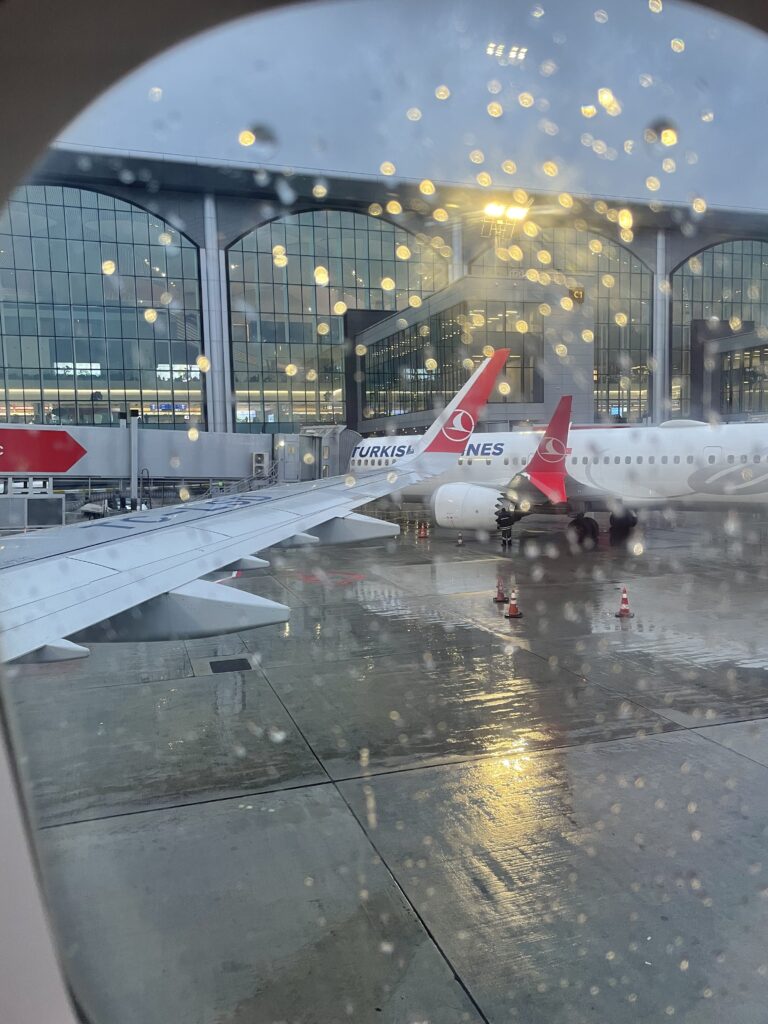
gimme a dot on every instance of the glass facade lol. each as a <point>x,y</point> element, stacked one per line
<point>414,368</point>
<point>99,312</point>
<point>744,382</point>
<point>617,286</point>
<point>728,282</point>
<point>290,283</point>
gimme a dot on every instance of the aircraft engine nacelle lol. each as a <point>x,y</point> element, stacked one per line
<point>466,506</point>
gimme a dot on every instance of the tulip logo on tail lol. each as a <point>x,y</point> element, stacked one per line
<point>552,449</point>
<point>460,427</point>
<point>453,428</point>
<point>546,470</point>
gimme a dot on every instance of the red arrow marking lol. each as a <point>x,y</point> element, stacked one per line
<point>38,451</point>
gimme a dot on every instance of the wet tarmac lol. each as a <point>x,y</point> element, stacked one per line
<point>402,807</point>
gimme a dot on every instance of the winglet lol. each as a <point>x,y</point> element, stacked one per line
<point>546,470</point>
<point>453,427</point>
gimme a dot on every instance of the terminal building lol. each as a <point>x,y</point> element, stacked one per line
<point>228,300</point>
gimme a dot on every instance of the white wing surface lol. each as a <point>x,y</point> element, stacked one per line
<point>62,582</point>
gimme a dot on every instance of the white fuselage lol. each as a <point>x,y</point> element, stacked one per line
<point>680,463</point>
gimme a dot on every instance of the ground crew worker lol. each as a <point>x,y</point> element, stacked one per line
<point>505,521</point>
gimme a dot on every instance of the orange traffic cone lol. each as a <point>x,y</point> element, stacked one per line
<point>513,612</point>
<point>422,534</point>
<point>624,611</point>
<point>501,597</point>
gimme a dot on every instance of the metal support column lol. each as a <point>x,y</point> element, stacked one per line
<point>458,267</point>
<point>133,461</point>
<point>215,323</point>
<point>662,292</point>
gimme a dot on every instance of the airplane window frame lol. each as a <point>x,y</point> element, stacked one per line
<point>198,17</point>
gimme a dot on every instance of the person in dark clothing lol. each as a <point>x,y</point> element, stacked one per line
<point>505,521</point>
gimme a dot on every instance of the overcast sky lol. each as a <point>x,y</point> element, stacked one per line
<point>332,83</point>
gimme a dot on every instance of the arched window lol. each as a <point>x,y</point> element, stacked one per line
<point>616,286</point>
<point>99,312</point>
<point>290,283</point>
<point>728,282</point>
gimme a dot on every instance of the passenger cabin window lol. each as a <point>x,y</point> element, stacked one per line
<point>639,460</point>
<point>584,461</point>
<point>617,459</point>
<point>651,460</point>
<point>689,459</point>
<point>676,460</point>
<point>711,459</point>
<point>627,459</point>
<point>664,460</point>
<point>743,458</point>
<point>730,459</point>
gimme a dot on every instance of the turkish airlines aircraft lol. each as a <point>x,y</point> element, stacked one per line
<point>80,581</point>
<point>679,464</point>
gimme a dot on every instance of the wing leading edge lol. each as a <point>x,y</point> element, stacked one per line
<point>65,581</point>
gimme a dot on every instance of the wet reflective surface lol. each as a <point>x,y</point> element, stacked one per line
<point>410,808</point>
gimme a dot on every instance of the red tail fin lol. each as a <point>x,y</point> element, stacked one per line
<point>453,427</point>
<point>546,470</point>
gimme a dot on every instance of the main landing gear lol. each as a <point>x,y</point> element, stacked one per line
<point>621,526</point>
<point>584,531</point>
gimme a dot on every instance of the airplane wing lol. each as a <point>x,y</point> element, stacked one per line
<point>66,581</point>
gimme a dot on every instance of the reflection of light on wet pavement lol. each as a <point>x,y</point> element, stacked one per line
<point>537,789</point>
